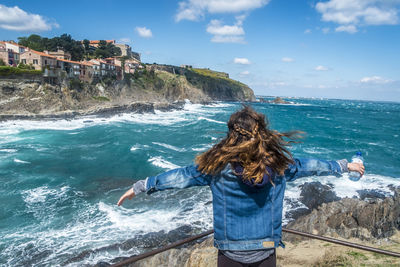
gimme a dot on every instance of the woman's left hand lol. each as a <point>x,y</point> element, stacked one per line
<point>356,167</point>
<point>128,194</point>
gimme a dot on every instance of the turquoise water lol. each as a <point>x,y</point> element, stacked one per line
<point>60,179</point>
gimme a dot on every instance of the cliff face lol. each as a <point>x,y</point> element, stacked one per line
<point>154,84</point>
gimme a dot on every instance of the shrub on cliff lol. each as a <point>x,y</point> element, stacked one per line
<point>76,84</point>
<point>6,71</point>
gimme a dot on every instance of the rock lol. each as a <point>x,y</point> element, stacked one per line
<point>370,194</point>
<point>352,217</point>
<point>279,100</point>
<point>313,194</point>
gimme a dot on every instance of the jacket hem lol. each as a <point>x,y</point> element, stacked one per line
<point>258,244</point>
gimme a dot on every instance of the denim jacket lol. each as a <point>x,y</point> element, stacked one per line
<point>245,218</point>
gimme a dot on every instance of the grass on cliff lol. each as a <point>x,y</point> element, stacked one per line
<point>216,75</point>
<point>7,70</point>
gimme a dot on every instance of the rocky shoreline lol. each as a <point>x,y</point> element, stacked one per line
<point>157,87</point>
<point>372,219</point>
<point>104,111</point>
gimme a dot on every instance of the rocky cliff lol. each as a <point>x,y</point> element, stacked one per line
<point>27,96</point>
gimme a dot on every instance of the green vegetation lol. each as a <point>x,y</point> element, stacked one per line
<point>218,84</point>
<point>6,70</point>
<point>101,98</point>
<point>357,255</point>
<point>2,62</point>
<point>76,84</point>
<point>77,49</point>
<point>216,75</point>
<point>25,66</point>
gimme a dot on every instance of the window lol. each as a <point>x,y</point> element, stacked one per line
<point>35,62</point>
<point>23,61</point>
<point>45,62</point>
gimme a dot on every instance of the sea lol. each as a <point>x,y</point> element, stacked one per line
<point>60,179</point>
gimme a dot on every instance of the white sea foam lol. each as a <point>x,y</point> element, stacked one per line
<point>201,147</point>
<point>40,194</point>
<point>319,150</point>
<point>162,163</point>
<point>8,150</point>
<point>188,113</point>
<point>169,146</point>
<point>137,147</point>
<point>21,161</point>
<point>210,120</point>
<point>344,187</point>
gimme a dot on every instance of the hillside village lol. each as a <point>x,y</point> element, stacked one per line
<point>58,64</point>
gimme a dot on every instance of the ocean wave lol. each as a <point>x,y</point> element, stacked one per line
<point>8,150</point>
<point>202,147</point>
<point>162,163</point>
<point>41,194</point>
<point>138,147</point>
<point>344,187</point>
<point>21,161</point>
<point>210,120</point>
<point>170,147</point>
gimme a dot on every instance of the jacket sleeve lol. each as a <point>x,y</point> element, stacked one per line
<point>311,167</point>
<point>178,178</point>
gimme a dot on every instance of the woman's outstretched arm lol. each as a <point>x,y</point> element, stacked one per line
<point>310,167</point>
<point>178,178</point>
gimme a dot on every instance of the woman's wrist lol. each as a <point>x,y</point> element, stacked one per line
<point>343,163</point>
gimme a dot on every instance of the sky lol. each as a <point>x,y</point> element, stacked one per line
<point>346,49</point>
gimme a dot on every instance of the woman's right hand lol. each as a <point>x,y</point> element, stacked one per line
<point>128,194</point>
<point>356,167</point>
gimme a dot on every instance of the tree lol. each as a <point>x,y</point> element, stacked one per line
<point>34,42</point>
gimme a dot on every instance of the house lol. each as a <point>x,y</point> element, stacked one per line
<point>8,57</point>
<point>72,68</point>
<point>60,54</point>
<point>19,49</point>
<point>40,61</point>
<point>9,53</point>
<point>95,43</point>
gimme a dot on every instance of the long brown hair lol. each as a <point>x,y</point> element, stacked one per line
<point>250,143</point>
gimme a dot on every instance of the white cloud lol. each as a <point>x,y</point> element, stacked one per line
<point>241,60</point>
<point>227,33</point>
<point>124,40</point>
<point>346,28</point>
<point>350,14</point>
<point>228,39</point>
<point>196,9</point>
<point>16,19</point>
<point>144,32</point>
<point>287,59</point>
<point>321,68</point>
<point>245,73</point>
<point>216,28</point>
<point>307,31</point>
<point>374,80</point>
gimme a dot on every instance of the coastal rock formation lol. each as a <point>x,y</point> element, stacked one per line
<point>27,96</point>
<point>315,194</point>
<point>351,217</point>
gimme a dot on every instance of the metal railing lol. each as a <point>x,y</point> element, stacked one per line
<point>291,231</point>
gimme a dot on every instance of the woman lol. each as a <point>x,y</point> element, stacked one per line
<point>247,173</point>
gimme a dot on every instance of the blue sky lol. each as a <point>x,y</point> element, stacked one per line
<point>330,48</point>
